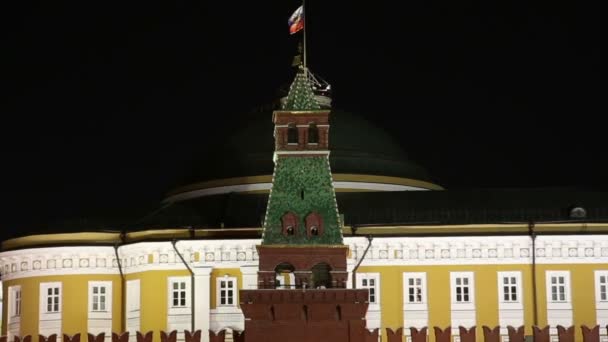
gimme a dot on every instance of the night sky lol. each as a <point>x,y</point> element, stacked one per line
<point>108,104</point>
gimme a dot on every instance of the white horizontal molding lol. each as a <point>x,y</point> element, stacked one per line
<point>479,250</point>
<point>50,261</point>
<point>385,251</point>
<point>134,258</point>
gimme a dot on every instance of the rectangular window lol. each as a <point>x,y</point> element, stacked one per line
<point>509,284</point>
<point>371,285</point>
<point>558,286</point>
<point>50,299</point>
<point>601,296</point>
<point>17,311</point>
<point>226,291</point>
<point>179,292</point>
<point>370,281</point>
<point>14,301</point>
<point>602,284</point>
<point>100,297</point>
<point>463,288</point>
<point>415,288</point>
<point>558,289</point>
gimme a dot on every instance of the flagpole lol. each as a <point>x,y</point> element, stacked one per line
<point>304,38</point>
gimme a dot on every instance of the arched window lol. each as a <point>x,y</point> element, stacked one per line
<point>321,276</point>
<point>313,134</point>
<point>314,225</point>
<point>292,134</point>
<point>289,223</point>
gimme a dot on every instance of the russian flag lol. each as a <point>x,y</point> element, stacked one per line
<point>296,21</point>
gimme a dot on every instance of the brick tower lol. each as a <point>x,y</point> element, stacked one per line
<point>302,237</point>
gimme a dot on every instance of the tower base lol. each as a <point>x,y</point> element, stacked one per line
<point>329,315</point>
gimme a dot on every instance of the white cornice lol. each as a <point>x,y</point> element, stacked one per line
<point>385,251</point>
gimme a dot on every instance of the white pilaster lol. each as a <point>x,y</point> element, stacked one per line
<point>202,289</point>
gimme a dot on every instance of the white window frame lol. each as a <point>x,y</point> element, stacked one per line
<point>14,303</point>
<point>368,276</point>
<point>218,292</point>
<point>107,313</point>
<point>52,315</point>
<point>179,309</point>
<point>469,305</point>
<point>599,303</point>
<point>414,305</point>
<point>567,303</point>
<point>510,304</point>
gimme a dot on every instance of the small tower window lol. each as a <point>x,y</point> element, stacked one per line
<point>314,224</point>
<point>292,134</point>
<point>313,134</point>
<point>289,223</point>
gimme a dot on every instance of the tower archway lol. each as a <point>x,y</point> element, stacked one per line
<point>321,275</point>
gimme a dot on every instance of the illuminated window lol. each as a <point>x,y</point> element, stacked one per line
<point>558,286</point>
<point>415,288</point>
<point>509,287</point>
<point>178,292</point>
<point>558,289</point>
<point>100,294</point>
<point>51,297</point>
<point>15,301</point>
<point>601,286</point>
<point>370,281</point>
<point>226,291</point>
<point>463,288</point>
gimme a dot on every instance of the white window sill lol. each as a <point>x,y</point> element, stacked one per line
<point>510,306</point>
<point>226,309</point>
<point>50,316</point>
<point>463,306</point>
<point>415,307</point>
<point>180,310</point>
<point>559,306</point>
<point>100,315</point>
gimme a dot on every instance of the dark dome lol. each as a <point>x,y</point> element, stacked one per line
<point>357,147</point>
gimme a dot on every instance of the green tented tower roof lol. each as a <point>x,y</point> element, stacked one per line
<point>301,97</point>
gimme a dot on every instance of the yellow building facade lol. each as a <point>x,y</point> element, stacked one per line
<point>433,279</point>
